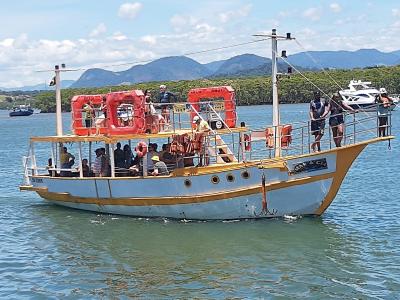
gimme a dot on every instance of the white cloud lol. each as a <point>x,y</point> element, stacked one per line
<point>149,39</point>
<point>396,12</point>
<point>244,11</point>
<point>189,33</point>
<point>118,36</point>
<point>129,10</point>
<point>335,7</point>
<point>7,42</point>
<point>183,22</point>
<point>99,30</point>
<point>312,13</point>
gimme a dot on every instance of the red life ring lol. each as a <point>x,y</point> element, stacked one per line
<point>141,149</point>
<point>247,142</point>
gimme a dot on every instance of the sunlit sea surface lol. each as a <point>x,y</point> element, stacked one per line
<point>351,252</point>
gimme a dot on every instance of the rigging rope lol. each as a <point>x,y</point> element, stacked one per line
<point>312,83</point>
<point>150,60</point>
<point>316,62</point>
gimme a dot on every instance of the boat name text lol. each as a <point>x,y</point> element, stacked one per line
<point>309,166</point>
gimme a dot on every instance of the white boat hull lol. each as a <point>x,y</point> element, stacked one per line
<point>303,185</point>
<point>296,200</point>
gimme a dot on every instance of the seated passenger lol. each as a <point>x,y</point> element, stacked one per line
<point>152,151</point>
<point>67,160</point>
<point>160,168</point>
<point>50,166</point>
<point>167,157</point>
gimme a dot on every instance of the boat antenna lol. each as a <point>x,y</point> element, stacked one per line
<point>275,100</point>
<point>57,71</point>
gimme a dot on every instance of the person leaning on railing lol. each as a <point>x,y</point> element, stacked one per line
<point>384,103</point>
<point>336,108</point>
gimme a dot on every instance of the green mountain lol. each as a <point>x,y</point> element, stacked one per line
<point>167,68</point>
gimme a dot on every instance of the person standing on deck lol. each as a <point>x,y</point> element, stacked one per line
<point>336,119</point>
<point>384,103</point>
<point>203,129</point>
<point>97,163</point>
<point>89,115</point>
<point>102,118</point>
<point>119,158</point>
<point>166,98</point>
<point>318,112</point>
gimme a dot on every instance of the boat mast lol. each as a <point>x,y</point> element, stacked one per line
<point>58,100</point>
<point>274,75</point>
<point>275,99</point>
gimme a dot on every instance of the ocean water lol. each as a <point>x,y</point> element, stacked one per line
<point>351,252</point>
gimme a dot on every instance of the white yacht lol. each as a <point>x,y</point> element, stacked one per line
<point>361,95</point>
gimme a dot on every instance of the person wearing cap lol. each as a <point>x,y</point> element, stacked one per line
<point>160,168</point>
<point>318,112</point>
<point>201,125</point>
<point>166,98</point>
<point>384,103</point>
<point>336,119</point>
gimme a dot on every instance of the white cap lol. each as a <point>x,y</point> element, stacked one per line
<point>195,119</point>
<point>382,91</point>
<point>163,86</point>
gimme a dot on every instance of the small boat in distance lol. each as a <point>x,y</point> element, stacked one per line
<point>21,110</point>
<point>361,95</point>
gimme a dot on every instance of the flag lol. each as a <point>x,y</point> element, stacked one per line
<point>53,81</point>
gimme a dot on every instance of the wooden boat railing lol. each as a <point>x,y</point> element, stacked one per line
<point>358,127</point>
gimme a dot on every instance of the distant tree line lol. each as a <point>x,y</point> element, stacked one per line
<point>249,90</point>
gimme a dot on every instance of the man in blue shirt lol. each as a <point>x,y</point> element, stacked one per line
<point>166,98</point>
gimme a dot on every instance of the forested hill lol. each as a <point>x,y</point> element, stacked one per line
<point>249,90</point>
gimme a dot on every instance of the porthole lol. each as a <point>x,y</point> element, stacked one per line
<point>245,174</point>
<point>230,177</point>
<point>188,183</point>
<point>215,179</point>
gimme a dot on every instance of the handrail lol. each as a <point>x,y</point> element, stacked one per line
<point>356,129</point>
<point>219,117</point>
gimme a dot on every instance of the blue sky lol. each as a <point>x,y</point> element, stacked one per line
<point>37,34</point>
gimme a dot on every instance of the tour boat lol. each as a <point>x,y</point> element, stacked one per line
<point>360,94</point>
<point>21,110</point>
<point>227,172</point>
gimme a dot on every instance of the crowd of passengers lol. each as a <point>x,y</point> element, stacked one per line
<point>125,161</point>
